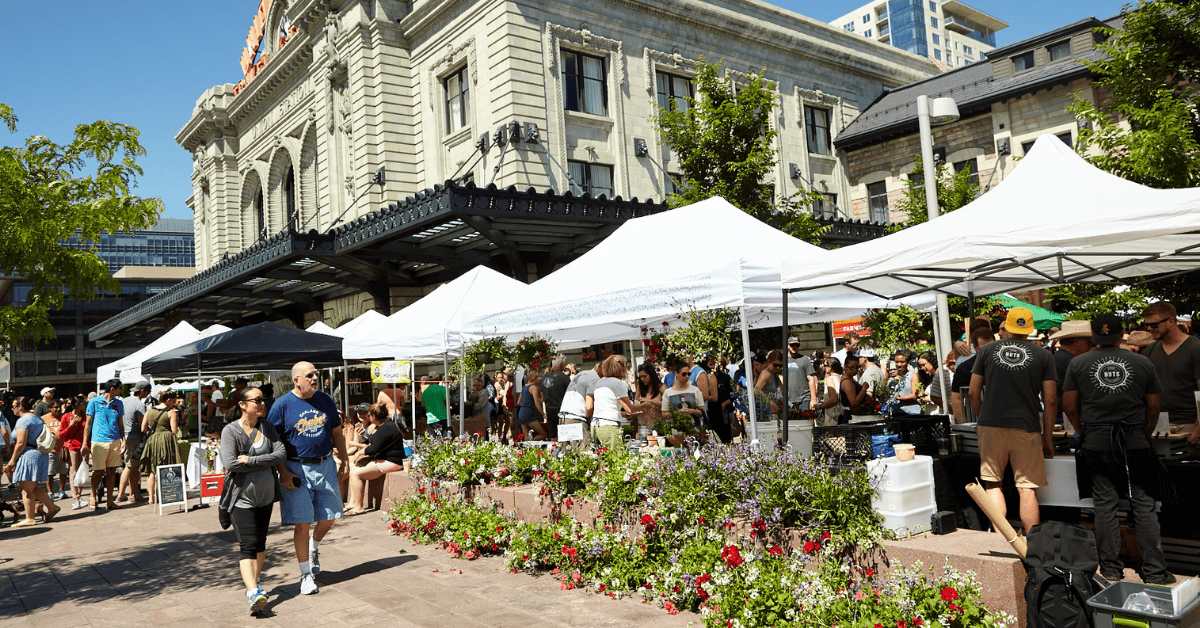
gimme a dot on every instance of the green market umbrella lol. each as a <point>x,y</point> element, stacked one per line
<point>1043,319</point>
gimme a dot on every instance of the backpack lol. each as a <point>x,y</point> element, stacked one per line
<point>1061,563</point>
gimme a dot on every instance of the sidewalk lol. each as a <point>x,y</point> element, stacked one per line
<point>132,567</point>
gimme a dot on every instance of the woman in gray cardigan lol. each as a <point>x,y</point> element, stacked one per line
<point>250,449</point>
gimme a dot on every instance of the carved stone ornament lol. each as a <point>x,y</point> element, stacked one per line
<point>654,59</point>
<point>814,97</point>
<point>587,41</point>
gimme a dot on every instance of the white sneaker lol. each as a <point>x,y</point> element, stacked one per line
<point>77,504</point>
<point>314,559</point>
<point>308,584</point>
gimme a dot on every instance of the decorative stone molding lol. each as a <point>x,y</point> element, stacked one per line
<point>455,55</point>
<point>585,41</point>
<point>653,59</point>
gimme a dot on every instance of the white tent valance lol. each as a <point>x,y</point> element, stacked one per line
<point>1055,220</point>
<point>707,255</point>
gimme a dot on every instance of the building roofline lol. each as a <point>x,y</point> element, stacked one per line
<point>1057,33</point>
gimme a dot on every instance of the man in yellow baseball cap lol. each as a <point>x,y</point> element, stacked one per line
<point>1016,417</point>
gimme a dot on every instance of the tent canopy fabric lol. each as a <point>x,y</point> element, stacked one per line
<point>129,368</point>
<point>1055,220</point>
<point>320,327</point>
<point>431,326</point>
<point>719,256</point>
<point>255,348</point>
<point>369,317</point>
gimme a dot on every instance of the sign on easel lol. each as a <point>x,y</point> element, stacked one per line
<point>169,486</point>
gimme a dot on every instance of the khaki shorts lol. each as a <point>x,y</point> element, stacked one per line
<point>1001,446</point>
<point>131,446</point>
<point>106,455</point>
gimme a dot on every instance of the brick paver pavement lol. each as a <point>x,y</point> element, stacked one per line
<point>132,567</point>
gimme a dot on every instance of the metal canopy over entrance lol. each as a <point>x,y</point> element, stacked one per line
<point>428,239</point>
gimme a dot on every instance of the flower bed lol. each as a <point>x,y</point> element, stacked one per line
<point>746,538</point>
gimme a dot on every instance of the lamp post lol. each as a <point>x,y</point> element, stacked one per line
<point>942,111</point>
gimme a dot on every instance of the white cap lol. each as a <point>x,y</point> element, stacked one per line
<point>47,390</point>
<point>866,352</point>
<point>1185,318</point>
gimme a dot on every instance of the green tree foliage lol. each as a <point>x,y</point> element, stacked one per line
<point>1148,81</point>
<point>726,147</point>
<point>45,198</point>
<point>953,191</point>
<point>1086,301</point>
<point>1145,127</point>
<point>714,331</point>
<point>900,328</point>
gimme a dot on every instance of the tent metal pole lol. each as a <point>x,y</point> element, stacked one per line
<point>970,313</point>
<point>446,377</point>
<point>787,360</point>
<point>751,399</point>
<point>413,384</point>
<point>462,406</point>
<point>346,387</point>
<point>940,339</point>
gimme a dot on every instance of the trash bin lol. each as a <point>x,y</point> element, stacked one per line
<point>1107,611</point>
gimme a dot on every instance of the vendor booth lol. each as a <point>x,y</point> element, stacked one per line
<point>129,368</point>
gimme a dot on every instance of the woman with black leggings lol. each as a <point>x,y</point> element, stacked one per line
<point>250,449</point>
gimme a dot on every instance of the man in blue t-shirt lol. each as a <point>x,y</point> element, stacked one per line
<point>103,440</point>
<point>309,423</point>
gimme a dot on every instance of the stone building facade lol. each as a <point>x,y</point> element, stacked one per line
<point>429,90</point>
<point>1021,92</point>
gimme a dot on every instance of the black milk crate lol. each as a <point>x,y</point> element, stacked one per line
<point>922,431</point>
<point>846,442</point>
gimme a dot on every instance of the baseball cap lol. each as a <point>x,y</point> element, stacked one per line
<point>1019,321</point>
<point>1107,330</point>
<point>141,386</point>
<point>793,340</point>
<point>47,389</point>
<point>362,407</point>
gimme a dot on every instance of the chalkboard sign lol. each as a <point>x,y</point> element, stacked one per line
<point>169,485</point>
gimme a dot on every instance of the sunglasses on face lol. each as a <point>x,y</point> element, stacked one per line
<point>258,400</point>
<point>1156,324</point>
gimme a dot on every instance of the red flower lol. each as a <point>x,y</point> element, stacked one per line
<point>759,525</point>
<point>811,547</point>
<point>870,572</point>
<point>569,503</point>
<point>671,608</point>
<point>900,624</point>
<point>775,551</point>
<point>602,588</point>
<point>917,621</point>
<point>825,536</point>
<point>731,556</point>
<point>701,520</point>
<point>949,593</point>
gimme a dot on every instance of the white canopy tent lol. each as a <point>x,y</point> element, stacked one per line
<point>370,317</point>
<point>320,327</point>
<point>1055,220</point>
<point>432,327</point>
<point>707,255</point>
<point>129,368</point>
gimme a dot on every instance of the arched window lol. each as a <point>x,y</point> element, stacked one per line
<point>289,199</point>
<point>260,215</point>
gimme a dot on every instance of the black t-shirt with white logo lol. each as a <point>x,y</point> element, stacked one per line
<point>1112,384</point>
<point>1013,371</point>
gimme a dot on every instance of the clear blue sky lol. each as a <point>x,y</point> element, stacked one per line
<point>145,63</point>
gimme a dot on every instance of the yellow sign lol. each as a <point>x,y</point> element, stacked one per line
<point>391,372</point>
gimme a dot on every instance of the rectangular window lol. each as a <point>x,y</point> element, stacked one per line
<point>937,40</point>
<point>674,183</point>
<point>826,207</point>
<point>1023,62</point>
<point>867,33</point>
<point>971,165</point>
<point>867,19</point>
<point>849,26</point>
<point>585,83</point>
<point>1061,50</point>
<point>458,100</point>
<point>967,50</point>
<point>675,89</point>
<point>932,6</point>
<point>816,124</point>
<point>877,199</point>
<point>589,178</point>
<point>1065,137</point>
<point>937,54</point>
<point>933,22</point>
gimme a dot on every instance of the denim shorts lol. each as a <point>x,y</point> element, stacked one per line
<point>317,499</point>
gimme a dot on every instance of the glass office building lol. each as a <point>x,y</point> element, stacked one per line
<point>908,26</point>
<point>69,361</point>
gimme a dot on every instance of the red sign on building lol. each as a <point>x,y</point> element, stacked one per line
<point>843,327</point>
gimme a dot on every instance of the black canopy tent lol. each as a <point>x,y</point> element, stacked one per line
<point>261,347</point>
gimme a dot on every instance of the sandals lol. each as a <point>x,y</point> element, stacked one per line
<point>24,523</point>
<point>353,513</point>
<point>48,517</point>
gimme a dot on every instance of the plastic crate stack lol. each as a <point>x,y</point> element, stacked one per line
<point>904,493</point>
<point>845,443</point>
<point>922,431</point>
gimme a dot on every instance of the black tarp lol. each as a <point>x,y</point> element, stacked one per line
<point>261,347</point>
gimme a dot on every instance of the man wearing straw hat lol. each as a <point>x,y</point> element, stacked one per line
<point>1015,371</point>
<point>1075,338</point>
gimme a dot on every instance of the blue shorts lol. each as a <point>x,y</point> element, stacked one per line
<point>317,499</point>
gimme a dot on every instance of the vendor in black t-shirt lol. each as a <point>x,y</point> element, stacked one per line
<point>1013,426</point>
<point>961,383</point>
<point>1074,339</point>
<point>1112,396</point>
<point>1176,358</point>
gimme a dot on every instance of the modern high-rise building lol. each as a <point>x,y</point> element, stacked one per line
<point>146,262</point>
<point>951,33</point>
